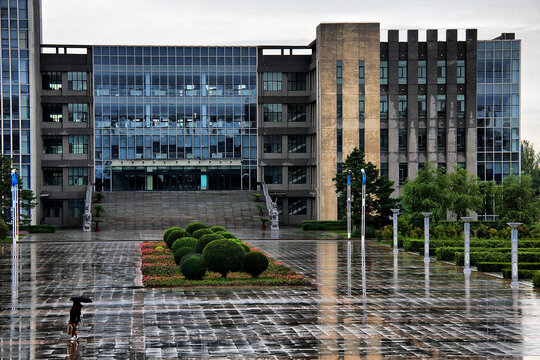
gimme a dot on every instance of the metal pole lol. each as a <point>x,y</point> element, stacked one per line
<point>15,206</point>
<point>426,236</point>
<point>515,282</point>
<point>349,204</point>
<point>395,227</point>
<point>364,292</point>
<point>363,206</point>
<point>467,254</point>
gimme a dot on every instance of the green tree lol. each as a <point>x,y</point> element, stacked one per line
<point>378,191</point>
<point>530,160</point>
<point>518,201</point>
<point>489,193</point>
<point>428,192</point>
<point>464,192</point>
<point>27,198</point>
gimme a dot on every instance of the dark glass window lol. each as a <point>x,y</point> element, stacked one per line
<point>361,72</point>
<point>384,140</point>
<point>461,71</point>
<point>461,106</point>
<point>273,175</point>
<point>77,81</point>
<point>339,140</point>
<point>403,173</point>
<point>339,72</point>
<point>52,112</point>
<point>462,165</point>
<point>52,208</point>
<point>441,71</point>
<point>402,72</point>
<point>441,106</point>
<point>383,72</point>
<point>361,140</point>
<point>52,144</point>
<point>77,176</point>
<point>78,112</point>
<point>361,107</point>
<point>272,112</point>
<point>297,144</point>
<point>51,80</point>
<point>402,140</point>
<point>296,112</point>
<point>76,207</point>
<point>339,106</point>
<point>384,107</point>
<point>52,176</point>
<point>384,169</point>
<point>461,139</point>
<point>78,144</point>
<point>296,81</point>
<point>422,139</point>
<point>297,206</point>
<point>402,106</point>
<point>272,143</point>
<point>297,174</point>
<point>272,81</point>
<point>422,106</point>
<point>441,139</point>
<point>422,71</point>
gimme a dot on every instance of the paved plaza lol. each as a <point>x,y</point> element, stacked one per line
<point>405,309</point>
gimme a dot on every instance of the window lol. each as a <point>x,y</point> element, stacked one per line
<point>296,112</point>
<point>272,144</point>
<point>273,175</point>
<point>461,71</point>
<point>461,106</point>
<point>422,71</point>
<point>361,72</point>
<point>403,173</point>
<point>52,176</point>
<point>52,208</point>
<point>297,206</point>
<point>402,72</point>
<point>441,139</point>
<point>339,106</point>
<point>422,106</point>
<point>296,81</point>
<point>361,107</point>
<point>383,72</point>
<point>77,176</point>
<point>51,80</point>
<point>384,169</point>
<point>384,107</point>
<point>421,166</point>
<point>460,139</point>
<point>272,81</point>
<point>297,174</point>
<point>402,106</point>
<point>384,140</point>
<point>339,72</point>
<point>339,140</point>
<point>422,139</point>
<point>441,71</point>
<point>441,105</point>
<point>462,165</point>
<point>52,112</point>
<point>76,207</point>
<point>297,144</point>
<point>77,81</point>
<point>402,140</point>
<point>52,144</point>
<point>78,112</point>
<point>272,112</point>
<point>78,144</point>
<point>362,140</point>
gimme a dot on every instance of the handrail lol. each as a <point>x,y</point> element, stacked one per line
<point>271,206</point>
<point>87,217</point>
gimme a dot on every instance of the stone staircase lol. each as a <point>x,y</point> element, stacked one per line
<point>158,210</point>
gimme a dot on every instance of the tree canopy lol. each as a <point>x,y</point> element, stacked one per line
<point>27,198</point>
<point>518,201</point>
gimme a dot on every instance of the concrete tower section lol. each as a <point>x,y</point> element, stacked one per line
<point>340,48</point>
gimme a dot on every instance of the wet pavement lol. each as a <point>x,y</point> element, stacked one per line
<point>405,308</point>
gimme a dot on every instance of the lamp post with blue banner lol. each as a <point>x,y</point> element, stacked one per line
<point>363,206</point>
<point>15,205</point>
<point>349,204</point>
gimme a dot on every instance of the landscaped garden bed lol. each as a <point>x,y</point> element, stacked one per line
<point>202,256</point>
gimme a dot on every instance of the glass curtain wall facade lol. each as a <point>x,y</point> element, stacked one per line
<point>175,118</point>
<point>498,85</point>
<point>15,89</point>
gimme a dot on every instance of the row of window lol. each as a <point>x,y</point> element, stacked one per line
<point>54,208</point>
<point>296,144</point>
<point>195,51</point>
<point>296,81</point>
<point>174,61</point>
<point>52,80</point>
<point>274,112</point>
<point>422,140</point>
<point>497,139</point>
<point>422,72</point>
<point>296,175</point>
<point>422,106</point>
<point>496,171</point>
<point>54,112</point>
<point>77,176</point>
<point>78,144</point>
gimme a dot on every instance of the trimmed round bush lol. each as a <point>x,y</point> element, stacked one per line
<point>193,268</point>
<point>223,256</point>
<point>198,233</point>
<point>184,242</point>
<point>189,256</point>
<point>244,246</point>
<point>255,263</point>
<point>226,235</point>
<point>175,235</point>
<point>217,228</point>
<point>205,240</point>
<point>170,230</point>
<point>181,252</point>
<point>194,226</point>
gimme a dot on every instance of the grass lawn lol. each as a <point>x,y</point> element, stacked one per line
<point>159,270</point>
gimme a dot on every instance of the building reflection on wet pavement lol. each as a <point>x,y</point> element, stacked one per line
<point>407,308</point>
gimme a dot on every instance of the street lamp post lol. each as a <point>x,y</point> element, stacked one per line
<point>467,254</point>
<point>15,205</point>
<point>363,207</point>
<point>514,226</point>
<point>426,236</point>
<point>395,216</point>
<point>349,204</point>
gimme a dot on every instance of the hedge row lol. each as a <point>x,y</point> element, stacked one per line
<point>492,256</point>
<point>522,273</point>
<point>324,225</point>
<point>417,245</point>
<point>34,229</point>
<point>498,266</point>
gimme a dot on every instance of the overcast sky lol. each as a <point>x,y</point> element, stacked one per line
<point>259,22</point>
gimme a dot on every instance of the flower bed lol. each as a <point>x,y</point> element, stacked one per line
<point>159,270</point>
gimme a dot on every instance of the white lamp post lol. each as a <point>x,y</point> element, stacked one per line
<point>395,216</point>
<point>514,226</point>
<point>467,254</point>
<point>426,236</point>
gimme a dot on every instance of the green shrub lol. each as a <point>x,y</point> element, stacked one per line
<point>4,230</point>
<point>413,245</point>
<point>190,255</point>
<point>522,273</point>
<point>244,246</point>
<point>536,279</point>
<point>175,235</point>
<point>226,235</point>
<point>184,242</point>
<point>416,233</point>
<point>170,230</point>
<point>324,225</point>
<point>198,233</point>
<point>193,268</point>
<point>181,252</point>
<point>194,226</point>
<point>255,263</point>
<point>205,240</point>
<point>498,266</point>
<point>36,229</point>
<point>223,256</point>
<point>494,256</point>
<point>217,228</point>
<point>438,232</point>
